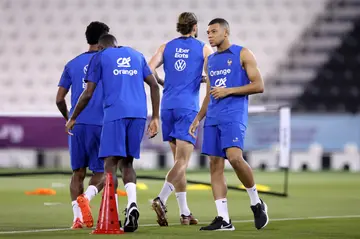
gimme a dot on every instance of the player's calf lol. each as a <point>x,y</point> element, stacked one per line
<point>77,183</point>
<point>245,175</point>
<point>76,189</point>
<point>240,166</point>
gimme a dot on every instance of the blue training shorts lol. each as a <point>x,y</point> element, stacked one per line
<point>175,124</point>
<point>122,138</point>
<point>84,147</point>
<point>217,138</point>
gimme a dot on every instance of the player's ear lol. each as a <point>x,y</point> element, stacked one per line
<point>226,32</point>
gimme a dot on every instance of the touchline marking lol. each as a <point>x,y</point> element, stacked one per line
<point>36,230</point>
<point>204,223</point>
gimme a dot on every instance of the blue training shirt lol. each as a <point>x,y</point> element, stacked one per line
<point>225,70</point>
<point>122,71</point>
<point>73,77</point>
<point>183,66</point>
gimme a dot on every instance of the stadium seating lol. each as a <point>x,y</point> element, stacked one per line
<point>300,47</point>
<point>316,75</point>
<point>39,37</point>
<point>336,87</point>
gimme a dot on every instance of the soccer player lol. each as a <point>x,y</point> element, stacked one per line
<point>183,60</point>
<point>85,142</point>
<point>122,72</point>
<point>233,75</point>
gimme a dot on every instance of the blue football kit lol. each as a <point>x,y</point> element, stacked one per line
<point>85,142</point>
<point>121,71</point>
<point>183,65</point>
<point>226,118</point>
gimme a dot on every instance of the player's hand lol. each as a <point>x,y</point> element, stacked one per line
<point>69,126</point>
<point>203,79</point>
<point>219,92</point>
<point>193,127</point>
<point>153,128</point>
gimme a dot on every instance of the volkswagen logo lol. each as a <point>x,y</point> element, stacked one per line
<point>180,65</point>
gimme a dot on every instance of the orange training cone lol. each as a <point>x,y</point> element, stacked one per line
<point>108,221</point>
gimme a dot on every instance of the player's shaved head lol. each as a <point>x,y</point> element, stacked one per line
<point>94,31</point>
<point>186,23</point>
<point>107,40</point>
<point>222,22</point>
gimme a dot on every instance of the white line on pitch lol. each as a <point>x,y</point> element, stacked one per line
<point>204,223</point>
<point>36,230</point>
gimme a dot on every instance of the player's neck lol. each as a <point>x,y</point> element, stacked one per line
<point>93,48</point>
<point>187,35</point>
<point>224,46</point>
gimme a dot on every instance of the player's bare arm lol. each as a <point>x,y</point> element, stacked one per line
<point>81,104</point>
<point>153,127</point>
<point>207,51</point>
<point>204,106</point>
<point>156,61</point>
<point>159,80</point>
<point>61,102</point>
<point>248,62</point>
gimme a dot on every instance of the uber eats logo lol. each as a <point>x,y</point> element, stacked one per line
<point>181,54</point>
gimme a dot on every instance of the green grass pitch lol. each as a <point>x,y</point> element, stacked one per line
<point>320,205</point>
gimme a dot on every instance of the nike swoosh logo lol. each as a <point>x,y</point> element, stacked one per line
<point>228,226</point>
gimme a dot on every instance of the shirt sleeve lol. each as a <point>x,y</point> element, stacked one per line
<point>65,80</point>
<point>94,70</point>
<point>146,68</point>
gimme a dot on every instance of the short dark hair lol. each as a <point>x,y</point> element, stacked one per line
<point>94,31</point>
<point>222,22</point>
<point>186,22</point>
<point>107,40</point>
